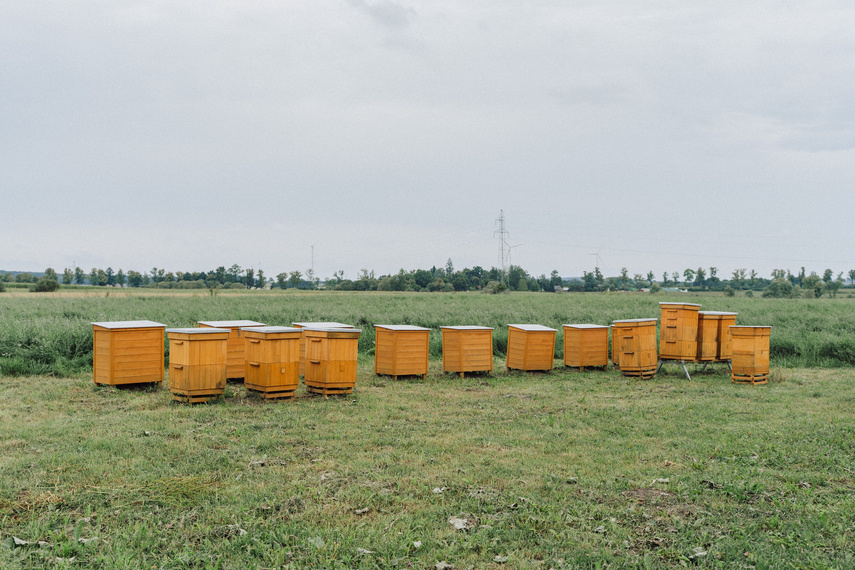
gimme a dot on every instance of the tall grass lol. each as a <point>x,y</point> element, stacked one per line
<point>52,333</point>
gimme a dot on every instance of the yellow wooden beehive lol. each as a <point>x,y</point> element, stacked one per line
<point>635,342</point>
<point>401,350</point>
<point>750,362</point>
<point>707,336</point>
<point>331,359</point>
<point>127,352</point>
<point>197,363</point>
<point>714,338</point>
<point>586,345</point>
<point>236,345</point>
<point>303,325</point>
<point>678,334</point>
<point>467,349</point>
<point>614,348</point>
<point>272,365</point>
<point>530,347</point>
<point>725,336</point>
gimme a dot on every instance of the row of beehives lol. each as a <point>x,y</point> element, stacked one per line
<point>271,359</point>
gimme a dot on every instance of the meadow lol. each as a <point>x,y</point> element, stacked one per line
<point>50,333</point>
<point>564,469</point>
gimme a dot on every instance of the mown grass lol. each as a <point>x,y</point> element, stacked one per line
<point>556,470</point>
<point>51,334</point>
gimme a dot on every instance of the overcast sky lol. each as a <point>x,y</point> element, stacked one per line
<point>389,134</point>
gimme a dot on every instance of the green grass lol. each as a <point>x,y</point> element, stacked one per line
<point>50,333</point>
<point>557,470</point>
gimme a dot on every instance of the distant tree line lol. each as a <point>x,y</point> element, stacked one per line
<point>782,283</point>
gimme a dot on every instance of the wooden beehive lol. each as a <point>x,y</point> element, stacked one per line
<point>530,347</point>
<point>272,365</point>
<point>401,350</point>
<point>750,362</point>
<point>614,348</point>
<point>197,363</point>
<point>635,342</point>
<point>303,325</point>
<point>236,346</point>
<point>586,345</point>
<point>331,359</point>
<point>714,339</point>
<point>467,349</point>
<point>707,336</point>
<point>725,336</point>
<point>678,334</point>
<point>127,352</point>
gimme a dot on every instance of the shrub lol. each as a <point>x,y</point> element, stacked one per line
<point>729,291</point>
<point>45,285</point>
<point>3,288</point>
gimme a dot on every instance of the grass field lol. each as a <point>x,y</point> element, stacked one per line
<point>548,470</point>
<point>557,470</point>
<point>51,334</point>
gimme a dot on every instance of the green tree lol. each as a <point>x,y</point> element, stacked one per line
<point>120,278</point>
<point>689,275</point>
<point>833,287</point>
<point>295,278</point>
<point>779,287</point>
<point>249,280</point>
<point>111,278</point>
<point>67,276</point>
<point>449,268</point>
<point>459,282</point>
<point>51,274</point>
<point>700,277</point>
<point>282,280</point>
<point>852,276</point>
<point>813,285</point>
<point>135,278</point>
<point>233,274</point>
<point>624,278</point>
<point>714,276</point>
<point>260,282</point>
<point>827,276</point>
<point>515,273</point>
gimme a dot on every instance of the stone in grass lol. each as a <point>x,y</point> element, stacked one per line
<point>444,566</point>
<point>463,523</point>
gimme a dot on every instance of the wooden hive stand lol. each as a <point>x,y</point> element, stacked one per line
<point>303,325</point>
<point>467,349</point>
<point>331,360</point>
<point>635,342</point>
<point>236,346</point>
<point>401,350</point>
<point>750,354</point>
<point>272,365</point>
<point>127,352</point>
<point>714,337</point>
<point>197,363</point>
<point>586,345</point>
<point>678,334</point>
<point>530,347</point>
